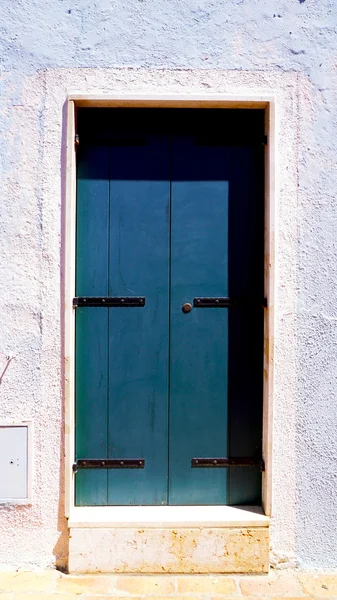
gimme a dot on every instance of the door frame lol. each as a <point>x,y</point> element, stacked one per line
<point>208,101</point>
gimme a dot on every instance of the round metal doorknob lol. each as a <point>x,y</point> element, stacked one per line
<point>187,307</point>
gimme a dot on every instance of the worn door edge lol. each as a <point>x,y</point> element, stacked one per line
<point>169,101</point>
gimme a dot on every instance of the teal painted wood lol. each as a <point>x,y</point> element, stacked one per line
<point>138,337</point>
<point>246,272</point>
<point>123,248</point>
<point>92,323</point>
<point>199,339</point>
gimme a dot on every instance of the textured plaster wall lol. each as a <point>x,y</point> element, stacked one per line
<point>287,48</point>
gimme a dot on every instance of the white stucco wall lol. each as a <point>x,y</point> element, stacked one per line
<point>287,49</point>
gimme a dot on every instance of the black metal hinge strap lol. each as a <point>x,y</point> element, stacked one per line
<point>110,301</point>
<point>109,463</point>
<point>224,463</point>
<point>226,302</point>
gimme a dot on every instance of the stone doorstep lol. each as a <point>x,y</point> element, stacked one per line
<point>169,550</point>
<point>49,585</point>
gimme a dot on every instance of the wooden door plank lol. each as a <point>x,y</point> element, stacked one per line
<point>138,337</point>
<point>92,323</point>
<point>199,339</point>
<point>246,271</point>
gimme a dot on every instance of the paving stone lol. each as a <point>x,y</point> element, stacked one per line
<point>96,597</point>
<point>38,596</point>
<point>146,584</point>
<point>283,584</point>
<point>319,584</point>
<point>28,581</point>
<point>171,597</point>
<point>52,585</point>
<point>226,597</point>
<point>85,584</point>
<point>205,584</point>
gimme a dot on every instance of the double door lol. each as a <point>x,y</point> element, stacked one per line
<point>169,320</point>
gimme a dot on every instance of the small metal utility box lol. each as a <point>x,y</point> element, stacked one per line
<point>14,463</point>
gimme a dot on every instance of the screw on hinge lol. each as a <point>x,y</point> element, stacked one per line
<point>77,140</point>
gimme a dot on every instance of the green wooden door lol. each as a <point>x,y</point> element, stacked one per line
<point>122,353</point>
<point>172,218</point>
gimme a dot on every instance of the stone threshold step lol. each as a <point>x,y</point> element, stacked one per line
<point>169,550</point>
